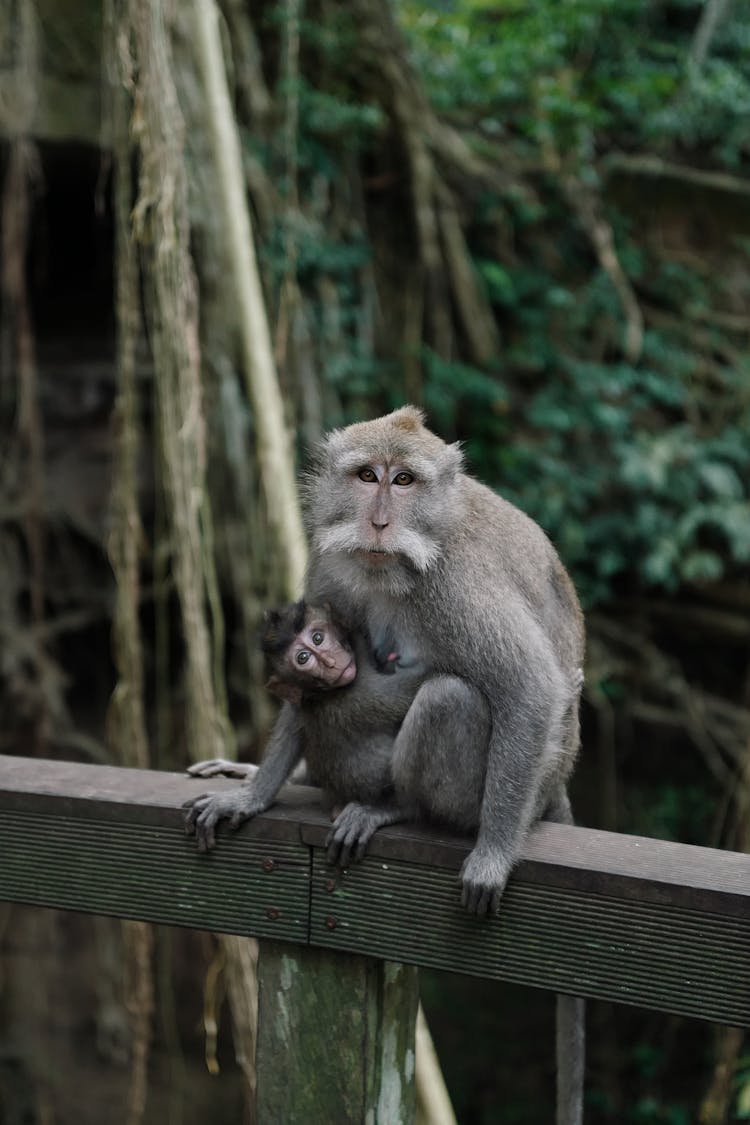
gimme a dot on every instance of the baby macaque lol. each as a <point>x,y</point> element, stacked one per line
<point>306,651</point>
<point>309,656</point>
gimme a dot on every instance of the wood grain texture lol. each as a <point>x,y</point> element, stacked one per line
<point>639,921</point>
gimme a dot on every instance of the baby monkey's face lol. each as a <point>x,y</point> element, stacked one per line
<point>320,656</point>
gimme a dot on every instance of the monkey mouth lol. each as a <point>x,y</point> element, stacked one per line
<point>347,675</point>
<point>375,556</point>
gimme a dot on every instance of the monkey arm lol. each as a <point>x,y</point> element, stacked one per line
<point>203,813</point>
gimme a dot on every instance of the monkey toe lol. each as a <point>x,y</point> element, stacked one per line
<point>201,817</point>
<point>482,879</point>
<point>350,835</point>
<point>191,815</point>
<point>476,899</point>
<point>338,849</point>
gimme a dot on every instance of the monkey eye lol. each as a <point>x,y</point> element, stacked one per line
<point>368,476</point>
<point>403,479</point>
<point>303,656</point>
<point>317,638</point>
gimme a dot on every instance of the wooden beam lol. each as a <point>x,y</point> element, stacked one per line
<point>646,922</point>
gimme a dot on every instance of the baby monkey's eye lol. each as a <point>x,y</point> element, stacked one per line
<point>403,479</point>
<point>368,476</point>
<point>317,638</point>
<point>303,656</point>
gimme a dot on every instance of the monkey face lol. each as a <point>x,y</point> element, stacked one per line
<point>381,497</point>
<point>319,657</point>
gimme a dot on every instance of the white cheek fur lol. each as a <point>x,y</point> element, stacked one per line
<point>421,550</point>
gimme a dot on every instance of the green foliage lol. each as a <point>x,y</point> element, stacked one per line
<point>639,471</point>
<point>615,67</point>
<point>681,812</point>
<point>651,1111</point>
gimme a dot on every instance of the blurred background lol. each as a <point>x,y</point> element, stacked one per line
<point>531,219</point>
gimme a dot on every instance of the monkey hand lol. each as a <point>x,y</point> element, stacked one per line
<point>202,814</point>
<point>352,831</point>
<point>222,767</point>
<point>483,877</point>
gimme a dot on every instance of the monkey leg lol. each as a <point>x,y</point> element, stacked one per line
<point>355,826</point>
<point>440,752</point>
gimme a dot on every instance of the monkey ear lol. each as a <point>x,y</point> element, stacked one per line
<point>289,692</point>
<point>454,457</point>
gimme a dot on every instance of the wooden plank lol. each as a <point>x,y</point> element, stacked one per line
<point>598,914</point>
<point>111,841</point>
<point>590,861</point>
<point>335,1038</point>
<point>622,947</point>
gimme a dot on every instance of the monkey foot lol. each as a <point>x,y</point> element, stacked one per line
<point>483,878</point>
<point>353,829</point>
<point>203,814</point>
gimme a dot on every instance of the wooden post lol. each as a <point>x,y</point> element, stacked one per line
<point>335,1038</point>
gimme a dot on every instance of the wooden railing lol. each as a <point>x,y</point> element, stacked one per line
<point>661,925</point>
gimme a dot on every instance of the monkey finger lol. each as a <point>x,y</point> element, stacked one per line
<point>205,768</point>
<point>467,897</point>
<point>335,854</point>
<point>206,830</point>
<point>472,897</point>
<point>345,855</point>
<point>333,847</point>
<point>483,900</point>
<point>237,818</point>
<point>201,819</point>
<point>335,838</point>
<point>339,844</point>
<point>192,809</point>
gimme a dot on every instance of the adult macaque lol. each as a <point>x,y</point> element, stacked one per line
<point>410,551</point>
